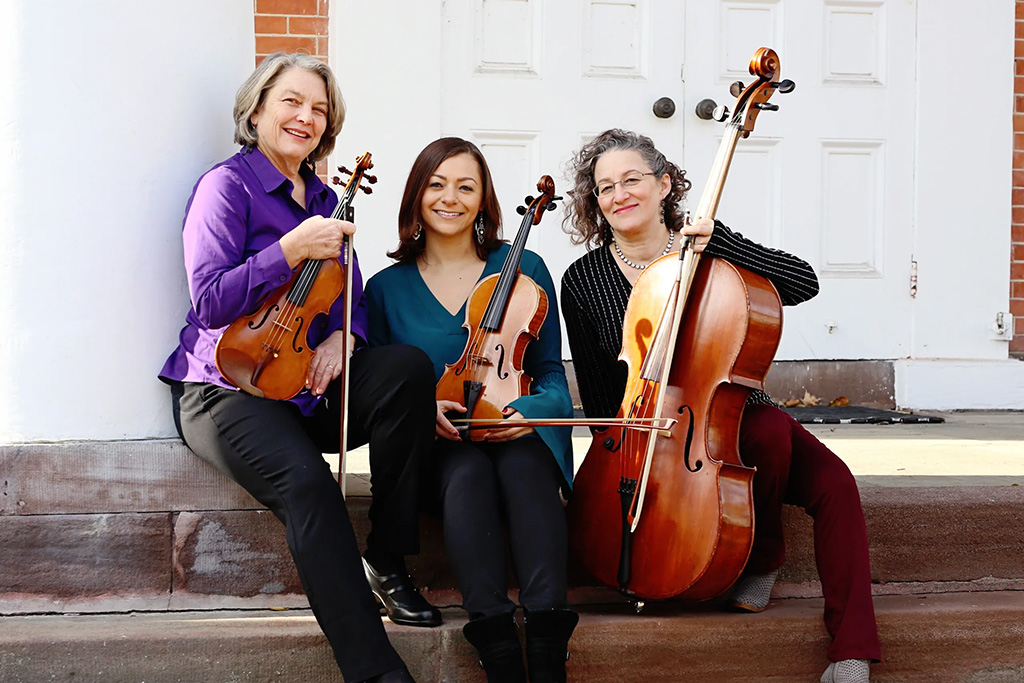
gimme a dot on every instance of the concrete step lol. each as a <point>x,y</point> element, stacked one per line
<point>94,527</point>
<point>948,638</point>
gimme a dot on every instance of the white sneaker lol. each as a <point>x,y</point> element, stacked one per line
<point>847,671</point>
<point>752,592</point>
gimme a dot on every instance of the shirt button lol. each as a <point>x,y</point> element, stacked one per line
<point>323,324</point>
<point>283,278</point>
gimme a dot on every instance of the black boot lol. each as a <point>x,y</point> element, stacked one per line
<point>547,643</point>
<point>496,639</point>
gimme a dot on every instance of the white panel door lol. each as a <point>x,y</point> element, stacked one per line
<point>828,177</point>
<point>531,80</point>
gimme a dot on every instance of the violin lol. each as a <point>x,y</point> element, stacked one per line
<point>669,513</point>
<point>504,313</point>
<point>267,353</point>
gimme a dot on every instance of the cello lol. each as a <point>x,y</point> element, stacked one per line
<point>266,354</point>
<point>669,513</point>
<point>504,313</point>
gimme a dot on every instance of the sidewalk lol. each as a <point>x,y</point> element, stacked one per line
<point>973,448</point>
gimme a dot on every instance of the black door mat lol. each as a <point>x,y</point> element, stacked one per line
<point>856,415</point>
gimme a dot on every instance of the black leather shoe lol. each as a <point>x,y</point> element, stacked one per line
<point>401,599</point>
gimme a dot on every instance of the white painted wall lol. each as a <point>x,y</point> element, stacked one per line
<point>110,112</point>
<point>391,79</point>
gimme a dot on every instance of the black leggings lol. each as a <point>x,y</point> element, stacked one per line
<point>482,484</point>
<point>276,454</point>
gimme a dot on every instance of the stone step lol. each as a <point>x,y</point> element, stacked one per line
<point>951,637</point>
<point>147,526</point>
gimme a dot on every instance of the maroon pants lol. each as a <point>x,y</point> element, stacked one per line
<point>794,467</point>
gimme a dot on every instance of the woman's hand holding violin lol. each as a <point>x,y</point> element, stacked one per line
<point>317,237</point>
<point>444,429</point>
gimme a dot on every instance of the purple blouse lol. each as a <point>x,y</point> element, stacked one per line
<point>238,212</point>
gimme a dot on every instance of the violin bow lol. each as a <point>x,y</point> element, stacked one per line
<point>346,351</point>
<point>348,213</point>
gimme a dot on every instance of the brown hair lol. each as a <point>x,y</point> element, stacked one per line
<point>409,218</point>
<point>583,220</point>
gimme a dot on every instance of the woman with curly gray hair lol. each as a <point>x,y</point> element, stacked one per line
<point>625,208</point>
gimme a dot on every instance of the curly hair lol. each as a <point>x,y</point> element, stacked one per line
<point>253,93</point>
<point>409,218</point>
<point>583,220</point>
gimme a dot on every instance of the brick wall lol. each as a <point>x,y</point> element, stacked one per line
<point>292,26</point>
<point>1017,228</point>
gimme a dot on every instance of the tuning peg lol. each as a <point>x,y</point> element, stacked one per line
<point>528,200</point>
<point>766,106</point>
<point>342,169</point>
<point>736,88</point>
<point>372,179</point>
<point>552,206</point>
<point>720,113</point>
<point>784,86</point>
<point>556,198</point>
<point>521,210</point>
<point>365,189</point>
<point>336,180</point>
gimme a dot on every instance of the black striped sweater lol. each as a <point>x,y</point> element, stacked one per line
<point>594,297</point>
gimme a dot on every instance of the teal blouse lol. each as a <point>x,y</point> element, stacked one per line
<point>402,310</point>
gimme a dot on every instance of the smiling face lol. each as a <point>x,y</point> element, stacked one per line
<point>291,119</point>
<point>634,210</point>
<point>452,198</point>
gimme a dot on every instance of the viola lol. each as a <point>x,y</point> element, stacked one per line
<point>669,513</point>
<point>267,353</point>
<point>504,313</point>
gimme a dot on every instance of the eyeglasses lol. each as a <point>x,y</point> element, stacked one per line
<point>628,182</point>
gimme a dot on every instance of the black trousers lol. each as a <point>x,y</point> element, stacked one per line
<point>275,453</point>
<point>481,485</point>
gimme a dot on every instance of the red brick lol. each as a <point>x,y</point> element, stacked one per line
<point>1017,309</point>
<point>1017,232</point>
<point>1017,214</point>
<point>1017,252</point>
<point>317,26</point>
<point>1019,10</point>
<point>271,24</point>
<point>304,7</point>
<point>1017,290</point>
<point>268,44</point>
<point>1018,196</point>
<point>1017,271</point>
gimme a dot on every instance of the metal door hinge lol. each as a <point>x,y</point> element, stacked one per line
<point>913,279</point>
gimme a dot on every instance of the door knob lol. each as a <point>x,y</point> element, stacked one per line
<point>664,107</point>
<point>706,109</point>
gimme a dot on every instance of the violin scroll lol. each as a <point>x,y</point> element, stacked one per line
<point>545,202</point>
<point>363,164</point>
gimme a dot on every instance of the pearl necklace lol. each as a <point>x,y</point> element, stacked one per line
<point>668,248</point>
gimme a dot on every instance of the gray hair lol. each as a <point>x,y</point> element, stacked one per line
<point>583,220</point>
<point>253,92</point>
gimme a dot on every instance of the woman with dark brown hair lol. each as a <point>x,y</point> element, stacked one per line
<point>449,232</point>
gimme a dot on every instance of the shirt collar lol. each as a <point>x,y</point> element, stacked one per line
<point>271,178</point>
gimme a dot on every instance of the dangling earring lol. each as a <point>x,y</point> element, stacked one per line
<point>663,209</point>
<point>419,232</point>
<point>480,228</point>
